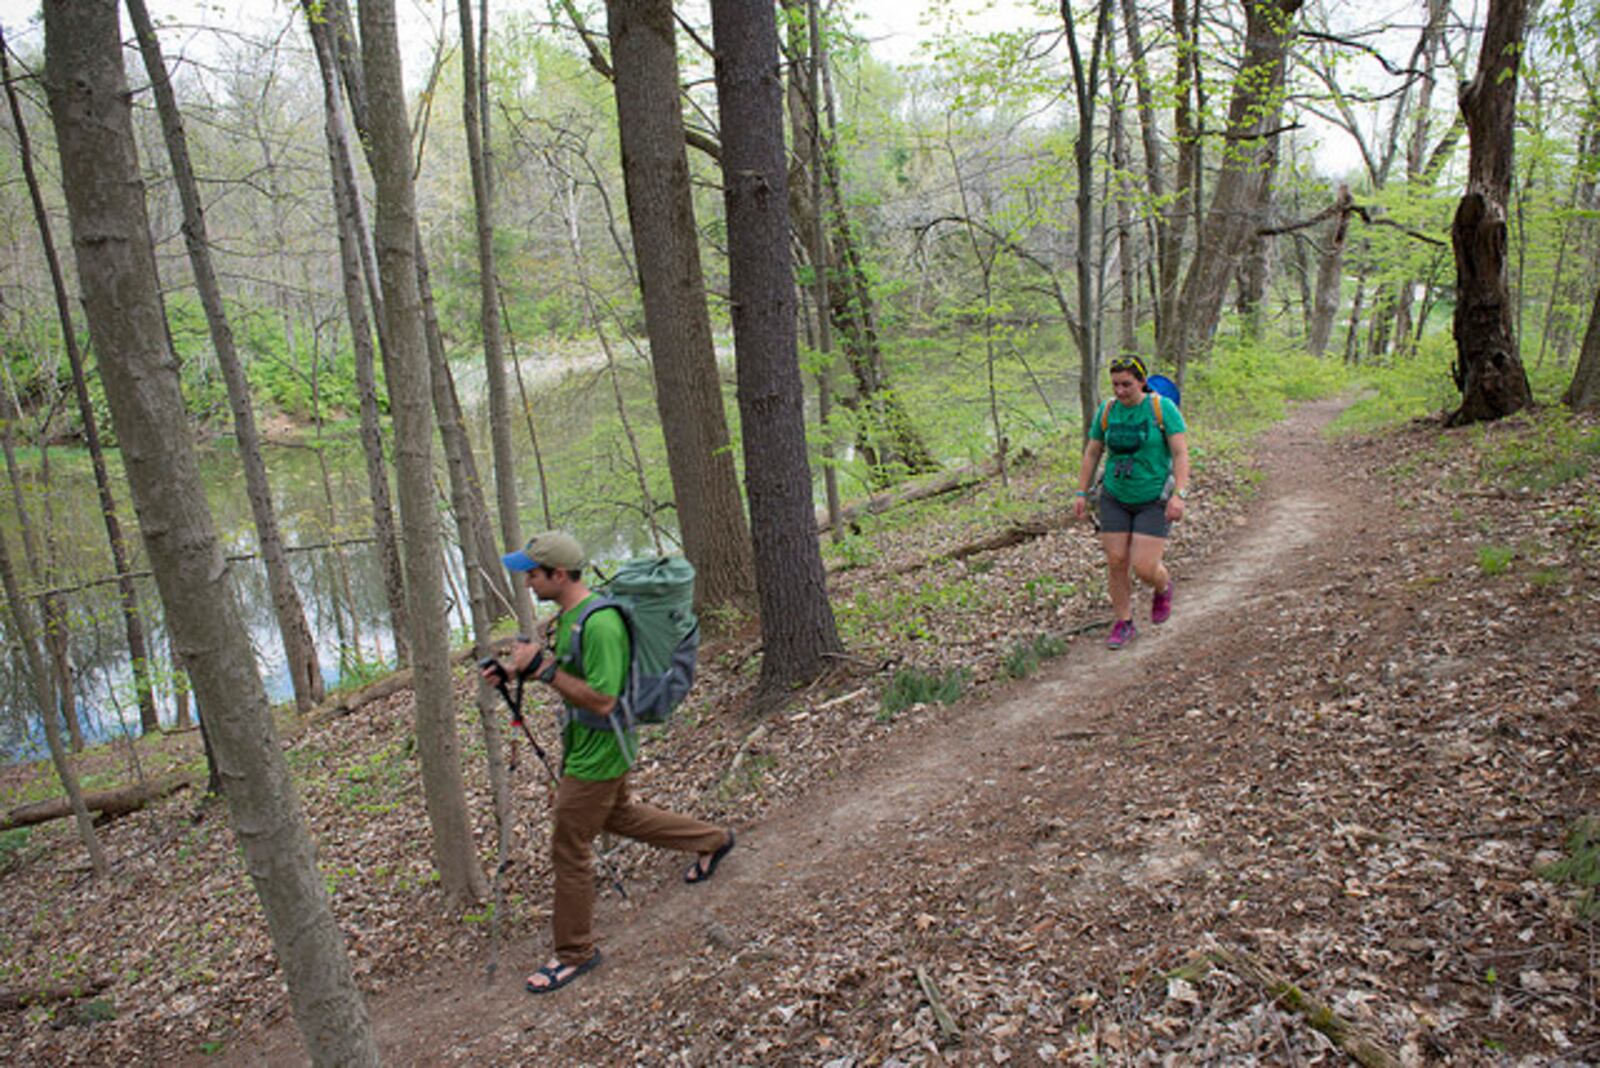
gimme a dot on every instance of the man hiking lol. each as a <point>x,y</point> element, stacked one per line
<point>592,795</point>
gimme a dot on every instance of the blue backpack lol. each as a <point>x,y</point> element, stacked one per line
<point>655,598</point>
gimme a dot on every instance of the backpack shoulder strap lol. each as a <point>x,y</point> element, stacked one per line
<point>575,650</point>
<point>1161,419</point>
<point>1105,415</point>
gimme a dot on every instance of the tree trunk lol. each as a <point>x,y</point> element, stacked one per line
<point>1085,84</point>
<point>99,804</point>
<point>797,626</point>
<point>1488,369</point>
<point>22,618</point>
<point>1167,233</point>
<point>805,206</point>
<point>1234,212</point>
<point>299,649</point>
<point>505,475</point>
<point>655,169</point>
<point>91,105</point>
<point>1128,306</point>
<point>128,596</point>
<point>352,239</point>
<point>1583,394</point>
<point>454,853</point>
<point>1352,350</point>
<point>1330,276</point>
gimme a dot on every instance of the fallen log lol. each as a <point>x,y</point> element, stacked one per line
<point>105,804</point>
<point>1015,534</point>
<point>14,998</point>
<point>921,491</point>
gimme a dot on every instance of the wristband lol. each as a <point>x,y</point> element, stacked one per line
<point>1183,495</point>
<point>1083,493</point>
<point>548,675</point>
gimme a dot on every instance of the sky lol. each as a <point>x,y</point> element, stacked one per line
<point>895,29</point>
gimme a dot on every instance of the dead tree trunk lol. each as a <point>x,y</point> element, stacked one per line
<point>1488,369</point>
<point>1330,276</point>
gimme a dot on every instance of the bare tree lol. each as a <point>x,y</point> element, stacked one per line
<point>797,626</point>
<point>91,105</point>
<point>1488,370</point>
<point>1583,394</point>
<point>460,874</point>
<point>476,119</point>
<point>661,216</point>
<point>300,651</point>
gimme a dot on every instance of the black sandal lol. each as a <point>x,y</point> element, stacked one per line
<point>555,980</point>
<point>697,874</point>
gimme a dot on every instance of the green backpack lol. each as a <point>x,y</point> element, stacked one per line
<point>655,597</point>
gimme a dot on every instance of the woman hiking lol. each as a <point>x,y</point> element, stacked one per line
<point>1146,481</point>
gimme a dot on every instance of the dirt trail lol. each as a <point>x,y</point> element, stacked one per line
<point>967,804</point>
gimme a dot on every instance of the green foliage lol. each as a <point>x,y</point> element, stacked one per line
<point>12,843</point>
<point>1548,450</point>
<point>917,686</point>
<point>907,611</point>
<point>1026,654</point>
<point>1245,384</point>
<point>1495,559</point>
<point>377,783</point>
<point>1580,868</point>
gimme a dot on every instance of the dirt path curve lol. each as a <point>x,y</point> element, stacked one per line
<point>898,808</point>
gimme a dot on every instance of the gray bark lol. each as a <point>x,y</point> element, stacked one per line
<point>128,596</point>
<point>1165,222</point>
<point>300,651</point>
<point>797,625</point>
<point>655,169</point>
<point>90,103</point>
<point>1330,275</point>
<point>476,119</point>
<point>1583,394</point>
<point>1235,207</point>
<point>461,876</point>
<point>352,240</point>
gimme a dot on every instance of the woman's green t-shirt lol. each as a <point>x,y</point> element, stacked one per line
<point>590,754</point>
<point>1138,460</point>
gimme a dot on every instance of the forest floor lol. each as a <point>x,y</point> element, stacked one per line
<point>1343,764</point>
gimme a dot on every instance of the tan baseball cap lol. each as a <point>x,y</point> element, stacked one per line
<point>552,548</point>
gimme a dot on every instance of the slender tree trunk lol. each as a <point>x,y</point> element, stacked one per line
<point>39,676</point>
<point>300,650</point>
<point>1352,350</point>
<point>1330,276</point>
<point>655,170</point>
<point>91,105</point>
<point>797,625</point>
<point>1085,84</point>
<point>1488,369</point>
<point>128,596</point>
<point>454,854</point>
<point>1583,394</point>
<point>805,196</point>
<point>476,119</point>
<point>352,231</point>
<point>1233,215</point>
<point>1121,164</point>
<point>1167,235</point>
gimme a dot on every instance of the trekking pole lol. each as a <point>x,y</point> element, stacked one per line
<point>514,703</point>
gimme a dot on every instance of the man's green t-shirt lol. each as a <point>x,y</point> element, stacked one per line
<point>1137,458</point>
<point>594,755</point>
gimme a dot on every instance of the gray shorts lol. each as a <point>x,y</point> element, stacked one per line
<point>1149,518</point>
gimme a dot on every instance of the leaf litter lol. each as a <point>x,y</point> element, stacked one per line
<point>1343,776</point>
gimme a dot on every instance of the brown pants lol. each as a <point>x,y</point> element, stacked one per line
<point>583,810</point>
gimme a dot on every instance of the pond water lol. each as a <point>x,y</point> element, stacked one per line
<point>320,492</point>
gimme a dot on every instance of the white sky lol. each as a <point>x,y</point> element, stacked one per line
<point>895,28</point>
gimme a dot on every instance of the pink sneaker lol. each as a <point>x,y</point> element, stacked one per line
<point>1161,604</point>
<point>1122,632</point>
